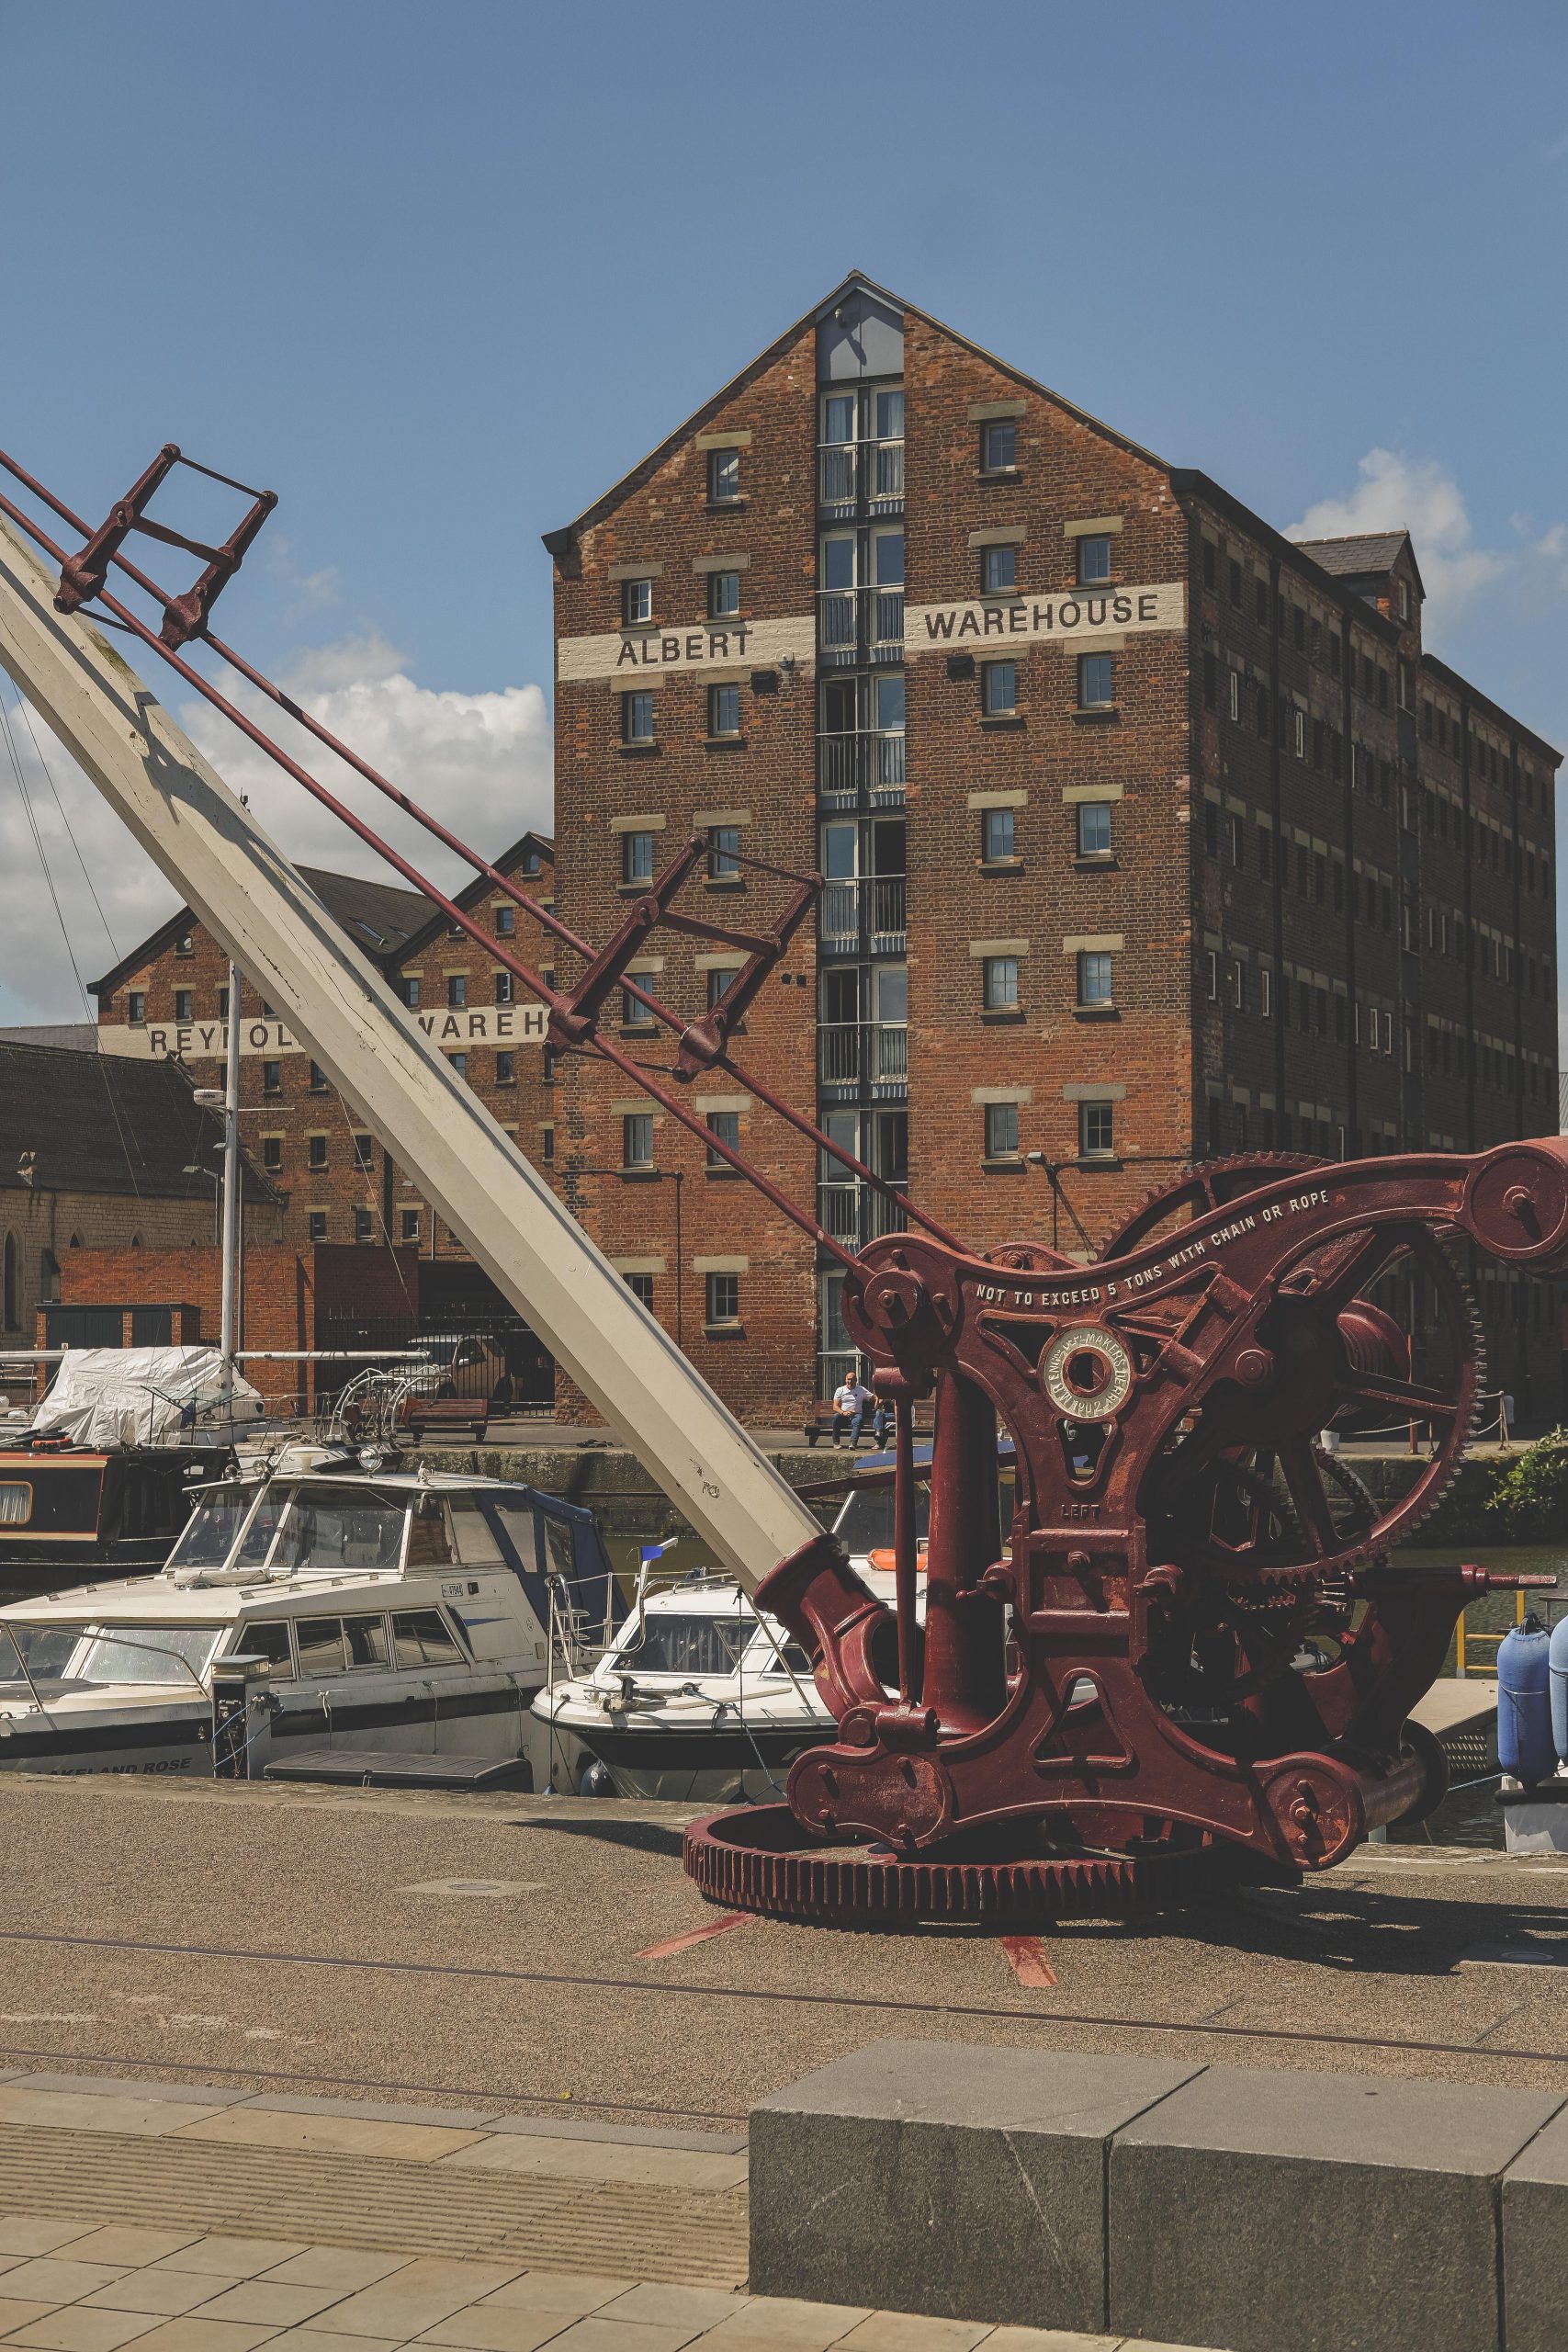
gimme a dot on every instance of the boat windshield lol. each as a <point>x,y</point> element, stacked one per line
<point>865,1523</point>
<point>661,1644</point>
<point>147,1654</point>
<point>209,1536</point>
<point>46,1649</point>
<point>340,1527</point>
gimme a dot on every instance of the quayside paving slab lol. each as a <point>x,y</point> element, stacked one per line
<point>1535,2243</point>
<point>1274,2211</point>
<point>946,2179</point>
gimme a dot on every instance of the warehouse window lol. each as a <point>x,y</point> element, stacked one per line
<point>410,985</point>
<point>723,1299</point>
<point>1096,1130</point>
<point>316,1150</point>
<point>724,1127</point>
<point>182,1004</point>
<point>999,689</point>
<point>724,595</point>
<point>456,990</point>
<point>318,1079</point>
<point>505,921</point>
<point>505,1070</point>
<point>410,1224</point>
<point>272,1154</point>
<point>136,1007</point>
<point>1094,828</point>
<point>364,1151</point>
<point>998,445</point>
<point>636,718</point>
<point>636,1139</point>
<point>636,858</point>
<point>1000,983</point>
<point>1094,977</point>
<point>1094,559</point>
<point>724,710</point>
<point>272,1077</point>
<point>636,601</point>
<point>363,1229</point>
<point>1001,1130</point>
<point>998,571</point>
<point>724,476</point>
<point>723,853</point>
<point>641,1289</point>
<point>1097,681</point>
<point>317,1224</point>
<point>998,836</point>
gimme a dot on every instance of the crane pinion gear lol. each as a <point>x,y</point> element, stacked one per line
<point>1109,1711</point>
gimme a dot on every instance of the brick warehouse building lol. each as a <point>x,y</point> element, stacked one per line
<point>338,1183</point>
<point>1149,835</point>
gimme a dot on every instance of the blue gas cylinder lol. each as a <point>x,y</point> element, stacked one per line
<point>1558,1663</point>
<point>1524,1704</point>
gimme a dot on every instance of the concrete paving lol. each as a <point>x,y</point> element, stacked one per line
<point>70,2283</point>
<point>284,1939</point>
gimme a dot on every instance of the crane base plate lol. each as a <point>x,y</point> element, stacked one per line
<point>759,1858</point>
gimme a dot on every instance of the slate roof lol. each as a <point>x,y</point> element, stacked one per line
<point>1356,557</point>
<point>103,1123</point>
<point>378,916</point>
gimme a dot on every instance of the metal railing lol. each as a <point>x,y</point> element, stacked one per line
<point>855,474</point>
<point>860,622</point>
<point>865,761</point>
<point>856,1213</point>
<point>852,1053</point>
<point>869,907</point>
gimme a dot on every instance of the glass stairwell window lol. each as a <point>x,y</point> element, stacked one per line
<point>887,629</point>
<point>837,450</point>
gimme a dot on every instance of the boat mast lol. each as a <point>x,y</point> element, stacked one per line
<point>230,1245</point>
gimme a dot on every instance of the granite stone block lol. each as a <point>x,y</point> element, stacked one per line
<point>1270,2211</point>
<point>1535,2243</point>
<point>946,2179</point>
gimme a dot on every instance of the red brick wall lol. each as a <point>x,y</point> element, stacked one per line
<point>284,1293</point>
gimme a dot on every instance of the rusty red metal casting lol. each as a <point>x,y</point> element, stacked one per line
<point>1191,1660</point>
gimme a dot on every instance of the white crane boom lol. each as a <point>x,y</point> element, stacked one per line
<point>248,895</point>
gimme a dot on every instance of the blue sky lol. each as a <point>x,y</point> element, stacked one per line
<point>439,273</point>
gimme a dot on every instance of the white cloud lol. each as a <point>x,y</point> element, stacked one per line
<point>481,763</point>
<point>1420,495</point>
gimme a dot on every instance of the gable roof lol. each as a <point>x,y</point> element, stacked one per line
<point>473,892</point>
<point>856,283</point>
<point>1367,555</point>
<point>103,1123</point>
<point>378,917</point>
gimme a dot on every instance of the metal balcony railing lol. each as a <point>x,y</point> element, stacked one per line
<point>855,1053</point>
<point>860,473</point>
<point>864,624</point>
<point>855,1213</point>
<point>870,904</point>
<point>863,761</point>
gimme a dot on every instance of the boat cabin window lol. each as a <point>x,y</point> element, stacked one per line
<point>15,1503</point>
<point>320,1645</point>
<point>339,1527</point>
<point>668,1644</point>
<point>268,1516</point>
<point>209,1538</point>
<point>147,1654</point>
<point>429,1547</point>
<point>46,1648</point>
<point>366,1638</point>
<point>422,1637</point>
<point>865,1523</point>
<point>559,1545</point>
<point>520,1521</point>
<point>268,1637</point>
<point>474,1543</point>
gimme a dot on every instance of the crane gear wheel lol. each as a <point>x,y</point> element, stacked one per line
<point>759,1858</point>
<point>1205,1186</point>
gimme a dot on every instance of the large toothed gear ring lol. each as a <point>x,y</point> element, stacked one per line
<point>761,1860</point>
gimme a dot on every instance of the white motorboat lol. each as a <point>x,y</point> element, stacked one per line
<point>313,1609</point>
<point>701,1699</point>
